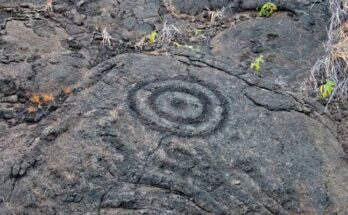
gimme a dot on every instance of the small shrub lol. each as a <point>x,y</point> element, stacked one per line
<point>160,38</point>
<point>267,9</point>
<point>44,98</point>
<point>35,99</point>
<point>47,98</point>
<point>327,89</point>
<point>257,64</point>
<point>152,37</point>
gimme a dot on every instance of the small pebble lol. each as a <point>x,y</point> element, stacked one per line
<point>236,182</point>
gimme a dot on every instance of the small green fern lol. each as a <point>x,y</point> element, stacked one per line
<point>268,9</point>
<point>257,64</point>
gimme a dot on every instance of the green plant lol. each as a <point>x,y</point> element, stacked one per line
<point>327,89</point>
<point>334,63</point>
<point>152,37</point>
<point>257,64</point>
<point>267,9</point>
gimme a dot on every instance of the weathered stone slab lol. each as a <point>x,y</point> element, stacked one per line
<point>154,135</point>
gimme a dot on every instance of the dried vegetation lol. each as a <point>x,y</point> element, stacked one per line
<point>334,65</point>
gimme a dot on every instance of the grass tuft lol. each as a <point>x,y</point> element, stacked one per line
<point>334,65</point>
<point>106,37</point>
<point>216,15</point>
<point>160,38</point>
<point>49,6</point>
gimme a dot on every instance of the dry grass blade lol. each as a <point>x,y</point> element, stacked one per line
<point>49,6</point>
<point>141,43</point>
<point>106,37</point>
<point>215,15</point>
<point>167,34</point>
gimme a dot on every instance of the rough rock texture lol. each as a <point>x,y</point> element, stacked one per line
<point>168,131</point>
<point>291,41</point>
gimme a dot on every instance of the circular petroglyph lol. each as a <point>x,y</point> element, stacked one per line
<point>179,106</point>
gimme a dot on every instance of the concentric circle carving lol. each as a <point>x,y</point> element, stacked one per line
<point>179,106</point>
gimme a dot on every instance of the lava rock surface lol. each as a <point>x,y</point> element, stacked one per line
<point>165,131</point>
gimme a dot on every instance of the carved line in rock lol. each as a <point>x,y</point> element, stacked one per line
<point>184,106</point>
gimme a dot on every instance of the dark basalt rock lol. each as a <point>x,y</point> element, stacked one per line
<point>175,132</point>
<point>289,49</point>
<point>181,107</point>
<point>7,86</point>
